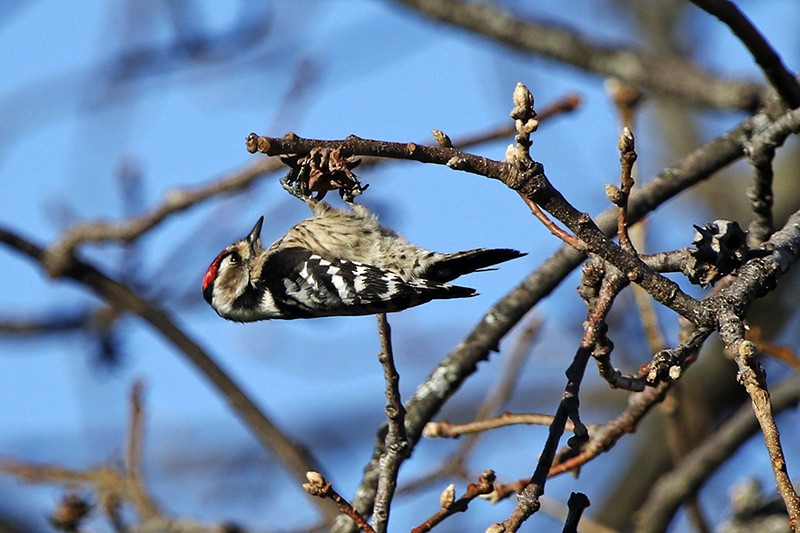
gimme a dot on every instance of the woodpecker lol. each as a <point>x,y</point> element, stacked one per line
<point>336,263</point>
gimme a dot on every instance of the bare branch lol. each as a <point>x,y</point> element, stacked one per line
<point>761,152</point>
<point>781,79</point>
<point>627,156</point>
<point>396,447</point>
<point>695,468</point>
<point>294,456</point>
<point>461,362</point>
<point>448,430</point>
<point>667,75</point>
<point>174,202</point>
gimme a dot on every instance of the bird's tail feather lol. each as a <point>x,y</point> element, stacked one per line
<point>457,264</point>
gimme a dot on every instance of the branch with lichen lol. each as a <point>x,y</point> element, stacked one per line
<point>396,448</point>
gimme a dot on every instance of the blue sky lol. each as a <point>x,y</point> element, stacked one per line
<point>378,71</point>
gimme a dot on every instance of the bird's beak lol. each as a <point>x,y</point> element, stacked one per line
<point>254,237</point>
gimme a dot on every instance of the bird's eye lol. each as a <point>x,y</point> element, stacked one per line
<point>234,258</point>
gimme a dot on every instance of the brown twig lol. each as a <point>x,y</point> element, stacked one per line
<point>619,196</point>
<point>784,353</point>
<point>136,491</point>
<point>448,430</point>
<point>554,228</point>
<point>626,99</point>
<point>450,506</point>
<point>753,378</point>
<point>594,327</point>
<point>397,447</point>
<point>319,486</point>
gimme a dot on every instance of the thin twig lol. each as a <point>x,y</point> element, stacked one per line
<point>319,486</point>
<point>397,447</point>
<point>485,485</point>
<point>594,326</point>
<point>133,468</point>
<point>627,156</point>
<point>554,228</point>
<point>577,503</point>
<point>449,430</point>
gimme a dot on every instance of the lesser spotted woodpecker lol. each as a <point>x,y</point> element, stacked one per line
<point>339,262</point>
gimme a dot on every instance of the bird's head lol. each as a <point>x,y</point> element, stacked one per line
<point>230,273</point>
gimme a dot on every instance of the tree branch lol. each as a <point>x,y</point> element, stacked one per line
<point>175,201</point>
<point>666,75</point>
<point>296,458</point>
<point>448,376</point>
<point>781,79</point>
<point>396,447</point>
<point>694,469</point>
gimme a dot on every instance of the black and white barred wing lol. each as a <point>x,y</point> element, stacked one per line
<point>301,284</point>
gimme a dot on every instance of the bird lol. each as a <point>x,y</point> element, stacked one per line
<point>339,262</point>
